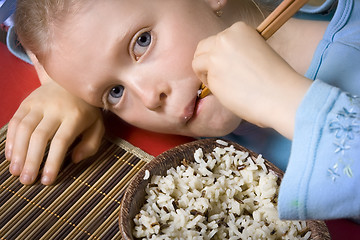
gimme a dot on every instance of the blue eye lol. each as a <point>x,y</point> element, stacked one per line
<point>141,45</point>
<point>115,94</point>
<point>144,39</point>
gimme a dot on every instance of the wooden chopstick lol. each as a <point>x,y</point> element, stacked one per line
<point>204,91</point>
<point>271,24</point>
<point>279,16</point>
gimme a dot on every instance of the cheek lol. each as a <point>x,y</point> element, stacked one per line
<point>178,59</point>
<point>177,48</point>
<point>135,114</point>
<point>176,69</point>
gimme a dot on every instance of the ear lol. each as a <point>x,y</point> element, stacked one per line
<point>216,5</point>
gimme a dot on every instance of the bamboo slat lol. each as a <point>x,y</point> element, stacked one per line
<point>83,204</point>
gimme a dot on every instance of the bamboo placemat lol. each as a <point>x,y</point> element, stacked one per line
<point>83,204</point>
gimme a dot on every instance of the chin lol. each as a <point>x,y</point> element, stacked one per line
<point>217,121</point>
<point>225,127</point>
<point>216,130</point>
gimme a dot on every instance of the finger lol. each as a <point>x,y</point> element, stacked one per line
<point>202,54</point>
<point>23,134</point>
<point>11,131</point>
<point>90,142</point>
<point>200,67</point>
<point>37,145</point>
<point>200,63</point>
<point>205,46</point>
<point>59,146</point>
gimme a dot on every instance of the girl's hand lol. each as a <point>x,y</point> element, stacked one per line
<point>48,113</point>
<point>250,78</point>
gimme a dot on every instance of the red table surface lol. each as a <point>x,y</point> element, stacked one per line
<point>18,79</point>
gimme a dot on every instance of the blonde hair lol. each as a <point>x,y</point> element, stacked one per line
<point>37,20</point>
<point>253,12</point>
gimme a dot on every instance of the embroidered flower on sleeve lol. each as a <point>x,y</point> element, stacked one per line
<point>341,146</point>
<point>345,125</point>
<point>333,172</point>
<point>348,171</point>
<point>346,129</point>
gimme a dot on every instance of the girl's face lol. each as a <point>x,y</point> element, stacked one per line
<point>134,58</point>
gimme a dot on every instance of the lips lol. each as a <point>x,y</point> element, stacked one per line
<point>192,108</point>
<point>189,110</point>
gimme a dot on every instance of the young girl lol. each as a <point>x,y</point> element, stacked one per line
<point>136,59</point>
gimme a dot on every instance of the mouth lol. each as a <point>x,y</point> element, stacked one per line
<point>192,108</point>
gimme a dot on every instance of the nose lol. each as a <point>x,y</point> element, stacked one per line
<point>154,100</point>
<point>153,95</point>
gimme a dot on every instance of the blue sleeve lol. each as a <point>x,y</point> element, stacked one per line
<point>15,47</point>
<point>7,8</point>
<point>323,175</point>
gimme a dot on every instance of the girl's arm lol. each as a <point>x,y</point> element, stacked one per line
<point>50,113</point>
<point>248,77</point>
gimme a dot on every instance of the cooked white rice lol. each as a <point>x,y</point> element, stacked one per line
<point>147,174</point>
<point>222,195</point>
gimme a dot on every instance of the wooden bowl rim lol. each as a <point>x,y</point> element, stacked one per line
<point>318,228</point>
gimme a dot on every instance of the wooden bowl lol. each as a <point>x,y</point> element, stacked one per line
<point>134,197</point>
